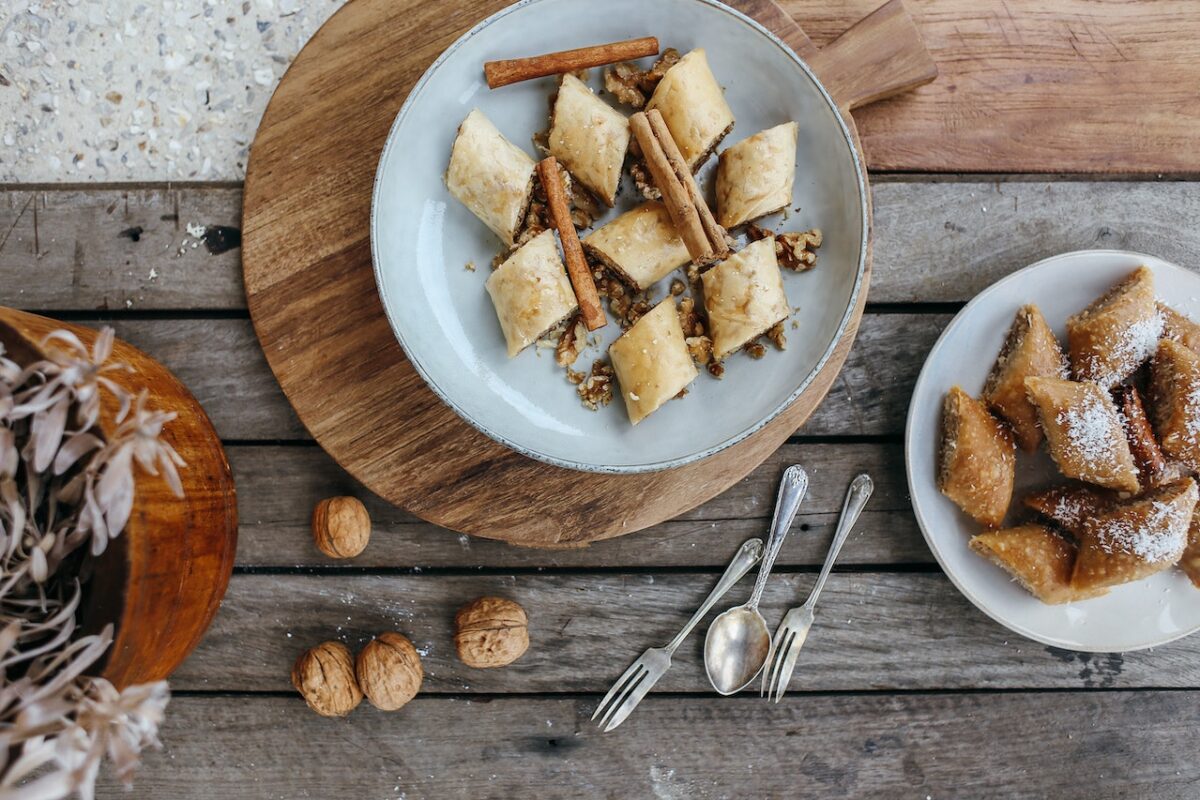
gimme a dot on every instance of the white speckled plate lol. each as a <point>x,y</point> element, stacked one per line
<point>422,238</point>
<point>1138,615</point>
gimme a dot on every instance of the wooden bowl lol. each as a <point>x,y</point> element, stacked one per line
<point>161,581</point>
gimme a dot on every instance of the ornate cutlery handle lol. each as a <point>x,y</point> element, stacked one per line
<point>747,556</point>
<point>856,498</point>
<point>791,492</point>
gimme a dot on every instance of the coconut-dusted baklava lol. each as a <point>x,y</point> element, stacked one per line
<point>1179,328</point>
<point>531,292</point>
<point>1038,559</point>
<point>490,175</point>
<point>744,297</point>
<point>1136,539</point>
<point>1083,432</point>
<point>1175,402</point>
<point>641,246</point>
<point>1148,457</point>
<point>1068,506</point>
<point>1030,351</point>
<point>1115,335</point>
<point>976,459</point>
<point>589,137</point>
<point>652,361</point>
<point>756,175</point>
<point>693,106</point>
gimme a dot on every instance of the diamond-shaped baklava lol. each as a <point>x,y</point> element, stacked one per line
<point>977,459</point>
<point>1030,351</point>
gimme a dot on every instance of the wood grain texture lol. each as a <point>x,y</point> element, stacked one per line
<point>279,486</point>
<point>874,631</point>
<point>934,240</point>
<point>220,363</point>
<point>317,315</point>
<point>160,583</point>
<point>1029,86</point>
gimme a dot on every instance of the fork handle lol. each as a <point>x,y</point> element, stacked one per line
<point>747,556</point>
<point>792,489</point>
<point>856,498</point>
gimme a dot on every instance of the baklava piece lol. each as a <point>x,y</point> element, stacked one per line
<point>976,459</point>
<point>1030,351</point>
<point>589,137</point>
<point>1083,432</point>
<point>651,361</point>
<point>693,106</point>
<point>631,85</point>
<point>1038,559</point>
<point>1175,402</point>
<point>531,292</point>
<point>1148,457</point>
<point>756,175</point>
<point>1179,328</point>
<point>1136,539</point>
<point>1068,506</point>
<point>641,246</point>
<point>1115,335</point>
<point>491,176</point>
<point>744,297</point>
<point>1190,561</point>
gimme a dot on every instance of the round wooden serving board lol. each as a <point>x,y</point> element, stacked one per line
<point>311,289</point>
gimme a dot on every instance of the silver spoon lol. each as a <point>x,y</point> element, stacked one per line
<point>738,641</point>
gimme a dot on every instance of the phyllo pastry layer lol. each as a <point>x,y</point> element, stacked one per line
<point>652,361</point>
<point>1135,539</point>
<point>1037,558</point>
<point>641,245</point>
<point>744,297</point>
<point>1030,351</point>
<point>693,106</point>
<point>756,175</point>
<point>1189,562</point>
<point>1179,328</point>
<point>1083,432</point>
<point>1068,506</point>
<point>589,137</point>
<point>531,292</point>
<point>1175,402</point>
<point>1115,335</point>
<point>976,459</point>
<point>490,175</point>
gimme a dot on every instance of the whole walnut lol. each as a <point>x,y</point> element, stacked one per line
<point>325,677</point>
<point>341,527</point>
<point>389,671</point>
<point>490,632</point>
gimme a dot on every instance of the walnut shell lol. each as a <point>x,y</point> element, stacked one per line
<point>325,677</point>
<point>341,527</point>
<point>389,671</point>
<point>490,632</point>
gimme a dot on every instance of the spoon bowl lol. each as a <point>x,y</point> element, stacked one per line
<point>736,649</point>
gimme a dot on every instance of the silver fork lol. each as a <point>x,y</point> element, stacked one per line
<point>641,676</point>
<point>792,632</point>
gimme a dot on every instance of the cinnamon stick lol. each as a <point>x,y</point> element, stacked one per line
<point>515,70</point>
<point>683,202</point>
<point>714,232</point>
<point>577,268</point>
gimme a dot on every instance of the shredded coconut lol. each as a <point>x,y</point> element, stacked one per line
<point>1162,537</point>
<point>1130,349</point>
<point>1193,418</point>
<point>1090,432</point>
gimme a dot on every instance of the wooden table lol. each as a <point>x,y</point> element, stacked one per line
<point>904,690</point>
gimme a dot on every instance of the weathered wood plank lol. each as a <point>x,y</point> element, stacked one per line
<point>118,248</point>
<point>1029,86</point>
<point>1074,746</point>
<point>875,631</point>
<point>221,362</point>
<point>279,486</point>
<point>934,241</point>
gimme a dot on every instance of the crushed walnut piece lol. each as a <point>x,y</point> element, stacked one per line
<point>777,336</point>
<point>700,348</point>
<point>624,303</point>
<point>470,266</point>
<point>575,376</point>
<point>689,318</point>
<point>597,389</point>
<point>585,209</point>
<point>677,287</point>
<point>755,349</point>
<point>795,250</point>
<point>716,369</point>
<point>633,86</point>
<point>643,181</point>
<point>570,342</point>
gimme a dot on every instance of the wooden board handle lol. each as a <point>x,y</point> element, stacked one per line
<point>882,55</point>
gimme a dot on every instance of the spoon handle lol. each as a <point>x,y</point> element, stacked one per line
<point>791,492</point>
<point>747,556</point>
<point>856,498</point>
